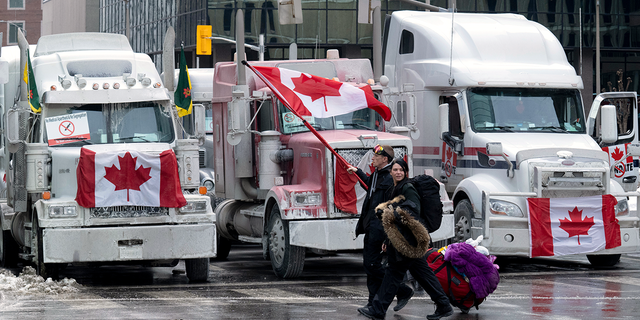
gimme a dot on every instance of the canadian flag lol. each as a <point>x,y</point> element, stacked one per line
<point>118,177</point>
<point>310,95</point>
<point>349,195</point>
<point>561,226</point>
<point>616,153</point>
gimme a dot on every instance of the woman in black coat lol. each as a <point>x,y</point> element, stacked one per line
<point>408,244</point>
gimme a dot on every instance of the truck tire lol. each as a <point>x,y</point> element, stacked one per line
<point>287,260</point>
<point>605,260</point>
<point>462,215</point>
<point>8,250</point>
<point>45,270</point>
<point>197,269</point>
<point>223,248</point>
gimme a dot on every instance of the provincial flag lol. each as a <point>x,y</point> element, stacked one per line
<point>30,80</point>
<point>562,226</point>
<point>349,195</point>
<point>310,95</point>
<point>128,178</point>
<point>182,96</point>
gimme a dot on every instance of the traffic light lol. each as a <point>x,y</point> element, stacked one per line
<point>203,43</point>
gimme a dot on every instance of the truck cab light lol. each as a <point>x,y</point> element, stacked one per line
<point>46,195</point>
<point>156,85</point>
<point>116,85</point>
<point>371,82</point>
<point>96,86</point>
<point>202,190</point>
<point>105,86</point>
<point>53,87</point>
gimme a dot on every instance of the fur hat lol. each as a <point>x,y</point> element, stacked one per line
<point>389,223</point>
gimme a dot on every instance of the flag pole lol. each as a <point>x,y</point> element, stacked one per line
<point>309,126</point>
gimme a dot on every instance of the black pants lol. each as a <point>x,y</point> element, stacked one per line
<point>372,260</point>
<point>394,274</point>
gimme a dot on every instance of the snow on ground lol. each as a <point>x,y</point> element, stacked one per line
<point>29,282</point>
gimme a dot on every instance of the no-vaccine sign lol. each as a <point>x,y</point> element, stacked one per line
<point>67,128</point>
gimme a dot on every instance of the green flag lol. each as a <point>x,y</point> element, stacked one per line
<point>182,96</point>
<point>30,80</point>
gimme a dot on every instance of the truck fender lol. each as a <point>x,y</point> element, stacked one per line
<point>471,188</point>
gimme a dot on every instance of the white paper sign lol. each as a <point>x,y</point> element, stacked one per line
<point>67,128</point>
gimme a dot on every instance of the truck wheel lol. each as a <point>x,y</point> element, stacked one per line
<point>605,260</point>
<point>287,260</point>
<point>224,246</point>
<point>462,215</point>
<point>8,250</point>
<point>45,270</point>
<point>197,269</point>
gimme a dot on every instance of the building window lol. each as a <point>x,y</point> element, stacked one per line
<point>12,35</point>
<point>16,4</point>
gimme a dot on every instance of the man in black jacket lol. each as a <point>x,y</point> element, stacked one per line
<point>369,225</point>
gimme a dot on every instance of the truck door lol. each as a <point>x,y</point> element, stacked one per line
<point>626,103</point>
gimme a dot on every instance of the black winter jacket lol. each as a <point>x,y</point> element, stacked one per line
<point>375,195</point>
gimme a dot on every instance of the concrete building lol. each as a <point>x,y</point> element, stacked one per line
<point>64,16</point>
<point>20,14</point>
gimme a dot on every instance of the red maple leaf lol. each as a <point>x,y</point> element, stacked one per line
<point>617,154</point>
<point>127,177</point>
<point>187,92</point>
<point>316,88</point>
<point>575,226</point>
<point>449,153</point>
<point>30,94</point>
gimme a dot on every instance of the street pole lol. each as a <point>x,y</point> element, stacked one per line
<point>597,46</point>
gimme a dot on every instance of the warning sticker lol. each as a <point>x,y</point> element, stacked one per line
<point>67,128</point>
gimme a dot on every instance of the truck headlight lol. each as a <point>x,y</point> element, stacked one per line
<point>62,212</point>
<point>195,206</point>
<point>505,208</point>
<point>208,184</point>
<point>306,199</point>
<point>622,208</point>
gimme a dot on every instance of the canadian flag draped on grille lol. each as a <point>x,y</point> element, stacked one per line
<point>561,226</point>
<point>311,95</point>
<point>119,177</point>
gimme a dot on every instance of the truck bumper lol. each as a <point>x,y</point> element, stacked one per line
<point>520,245</point>
<point>329,235</point>
<point>135,243</point>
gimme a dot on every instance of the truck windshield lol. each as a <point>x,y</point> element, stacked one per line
<point>525,110</point>
<point>364,119</point>
<point>136,122</point>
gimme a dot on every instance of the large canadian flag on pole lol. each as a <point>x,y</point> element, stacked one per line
<point>118,177</point>
<point>311,95</point>
<point>561,226</point>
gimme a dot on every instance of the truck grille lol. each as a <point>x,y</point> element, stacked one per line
<point>128,212</point>
<point>353,156</point>
<point>579,180</point>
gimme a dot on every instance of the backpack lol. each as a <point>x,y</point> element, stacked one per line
<point>430,204</point>
<point>455,285</point>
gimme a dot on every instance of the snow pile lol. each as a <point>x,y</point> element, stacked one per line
<point>29,282</point>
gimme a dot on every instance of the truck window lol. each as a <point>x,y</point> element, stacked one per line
<point>406,42</point>
<point>136,122</point>
<point>364,119</point>
<point>525,110</point>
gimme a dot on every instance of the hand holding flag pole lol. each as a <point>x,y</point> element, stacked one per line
<point>309,126</point>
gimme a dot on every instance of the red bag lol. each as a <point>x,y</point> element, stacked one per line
<point>455,286</point>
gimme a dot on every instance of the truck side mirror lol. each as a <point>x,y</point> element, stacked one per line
<point>609,124</point>
<point>494,148</point>
<point>444,118</point>
<point>13,129</point>
<point>199,123</point>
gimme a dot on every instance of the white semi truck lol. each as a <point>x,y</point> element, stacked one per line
<point>511,126</point>
<point>98,98</point>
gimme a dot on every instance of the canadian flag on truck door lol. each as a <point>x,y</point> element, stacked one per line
<point>132,178</point>
<point>561,226</point>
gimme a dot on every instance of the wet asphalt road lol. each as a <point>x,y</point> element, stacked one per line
<point>331,287</point>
